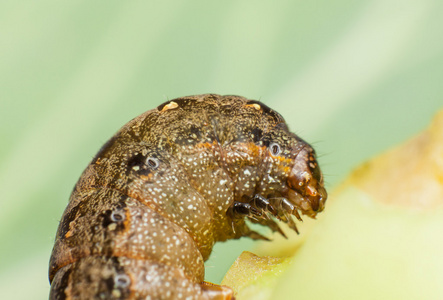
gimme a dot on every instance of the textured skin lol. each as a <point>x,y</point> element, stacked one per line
<point>148,209</point>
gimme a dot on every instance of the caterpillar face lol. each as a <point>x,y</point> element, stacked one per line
<point>305,181</point>
<point>148,209</point>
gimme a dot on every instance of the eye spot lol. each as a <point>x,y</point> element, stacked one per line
<point>121,281</point>
<point>275,149</point>
<point>118,216</point>
<point>152,162</point>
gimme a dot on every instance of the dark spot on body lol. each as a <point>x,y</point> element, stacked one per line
<point>256,134</point>
<point>109,283</point>
<point>117,215</point>
<point>142,165</point>
<point>137,160</point>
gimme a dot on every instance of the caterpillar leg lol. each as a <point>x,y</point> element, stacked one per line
<point>123,278</point>
<point>239,210</point>
<point>260,210</point>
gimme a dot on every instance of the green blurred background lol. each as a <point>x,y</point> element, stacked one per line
<point>351,77</point>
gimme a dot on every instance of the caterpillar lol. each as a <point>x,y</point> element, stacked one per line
<point>147,210</point>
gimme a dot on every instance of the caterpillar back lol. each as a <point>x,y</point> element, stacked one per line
<point>146,212</point>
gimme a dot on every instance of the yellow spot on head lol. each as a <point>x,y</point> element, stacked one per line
<point>170,105</point>
<point>254,105</point>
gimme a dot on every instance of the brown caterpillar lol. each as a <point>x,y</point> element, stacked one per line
<point>148,209</point>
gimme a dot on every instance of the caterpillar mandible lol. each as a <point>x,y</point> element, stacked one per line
<point>146,212</point>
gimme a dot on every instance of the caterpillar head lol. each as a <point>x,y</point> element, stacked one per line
<point>305,182</point>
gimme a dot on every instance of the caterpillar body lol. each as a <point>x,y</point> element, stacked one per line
<point>146,212</point>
